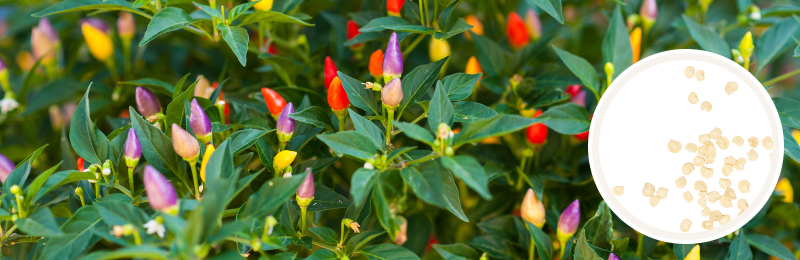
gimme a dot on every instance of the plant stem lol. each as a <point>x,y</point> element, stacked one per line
<point>413,45</point>
<point>341,123</point>
<point>423,159</point>
<point>563,250</point>
<point>96,190</point>
<point>136,238</point>
<point>20,208</point>
<point>126,54</point>
<point>158,5</point>
<point>640,244</point>
<point>532,249</point>
<point>780,78</point>
<point>303,211</point>
<point>8,232</point>
<point>130,180</point>
<point>194,178</point>
<point>389,126</point>
<point>421,14</point>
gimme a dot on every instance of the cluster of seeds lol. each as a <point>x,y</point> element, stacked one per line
<point>700,75</point>
<point>650,191</point>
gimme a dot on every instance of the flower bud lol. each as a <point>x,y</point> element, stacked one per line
<point>264,5</point>
<point>160,192</point>
<point>392,93</point>
<point>477,26</point>
<point>609,69</point>
<point>394,6</point>
<point>755,12</point>
<point>96,34</point>
<point>534,24</point>
<point>44,41</point>
<point>200,124</point>
<point>126,26</point>
<point>330,71</point>
<point>352,32</point>
<point>284,159</point>
<point>532,209</point>
<point>537,132</point>
<point>392,59</point>
<point>286,124</point>
<point>206,156</point>
<point>337,97</point>
<point>8,103</point>
<point>274,101</point>
<point>612,256</point>
<point>438,49</point>
<point>648,12</point>
<point>784,188</point>
<point>203,88</point>
<point>107,168</point>
<point>636,43</point>
<point>631,21</point>
<point>6,167</point>
<point>516,31</point>
<point>376,63</point>
<point>133,149</point>
<point>15,190</point>
<point>568,222</point>
<point>305,193</point>
<point>147,103</point>
<point>352,224</point>
<point>579,98</point>
<point>746,46</point>
<point>185,144</point>
<point>444,132</point>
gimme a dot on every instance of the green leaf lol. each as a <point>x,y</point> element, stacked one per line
<point>265,152</point>
<point>83,5</point>
<point>157,149</point>
<point>617,44</point>
<point>775,41</point>
<point>583,249</point>
<point>788,111</point>
<point>220,164</point>
<point>152,84</point>
<point>210,11</point>
<point>459,27</point>
<point>77,236</point>
<point>88,141</point>
<point>436,186</point>
<point>315,116</point>
<point>362,98</point>
<point>350,143</point>
<point>410,28</point>
<point>358,241</point>
<point>495,126</point>
<point>552,7</point>
<point>239,9</point>
<point>707,38</point>
<point>471,172</point>
<point>322,254</point>
<point>364,37</point>
<point>33,156</point>
<point>681,250</point>
<point>739,249</point>
<point>326,234</point>
<point>362,182</point>
<point>366,127</point>
<point>40,223</point>
<point>243,139</point>
<point>326,199</point>
<point>770,246</point>
<point>272,16</point>
<point>492,57</point>
<point>440,110</point>
<point>137,252</point>
<point>388,251</point>
<point>530,52</point>
<point>457,251</point>
<point>468,112</point>
<point>271,196</point>
<point>237,38</point>
<point>415,132</point>
<point>791,147</point>
<point>380,24</point>
<point>417,82</point>
<point>581,68</point>
<point>167,20</point>
<point>176,110</point>
<point>120,212</point>
<point>58,179</point>
<point>544,246</point>
<point>599,227</point>
<point>459,86</point>
<point>569,118</point>
<point>36,185</point>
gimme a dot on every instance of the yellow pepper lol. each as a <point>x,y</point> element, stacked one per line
<point>264,5</point>
<point>209,150</point>
<point>284,159</point>
<point>746,49</point>
<point>439,49</point>
<point>636,43</point>
<point>99,42</point>
<point>694,254</point>
<point>784,187</point>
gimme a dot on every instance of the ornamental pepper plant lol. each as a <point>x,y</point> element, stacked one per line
<point>349,129</point>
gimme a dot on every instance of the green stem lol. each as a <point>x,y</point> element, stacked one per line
<point>136,238</point>
<point>427,13</point>
<point>8,232</point>
<point>413,45</point>
<point>389,125</point>
<point>83,203</point>
<point>20,208</point>
<point>264,234</point>
<point>640,244</point>
<point>158,5</point>
<point>780,78</point>
<point>97,190</point>
<point>126,54</point>
<point>193,165</point>
<point>532,249</point>
<point>341,123</point>
<point>563,250</point>
<point>421,14</point>
<point>303,211</point>
<point>420,117</point>
<point>423,159</point>
<point>746,64</point>
<point>130,180</point>
<point>341,236</point>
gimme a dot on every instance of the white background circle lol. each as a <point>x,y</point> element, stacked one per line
<point>645,107</point>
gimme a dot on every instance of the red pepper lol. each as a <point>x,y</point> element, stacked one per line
<point>573,90</point>
<point>537,133</point>
<point>227,110</point>
<point>330,71</point>
<point>394,6</point>
<point>376,63</point>
<point>337,97</point>
<point>80,161</point>
<point>352,32</point>
<point>516,31</point>
<point>274,101</point>
<point>585,135</point>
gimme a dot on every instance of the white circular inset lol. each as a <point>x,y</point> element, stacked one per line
<point>647,106</point>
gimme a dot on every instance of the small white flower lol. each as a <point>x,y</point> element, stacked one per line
<point>86,170</point>
<point>153,226</point>
<point>201,188</point>
<point>368,166</point>
<point>7,104</point>
<point>451,134</point>
<point>755,16</point>
<point>287,175</point>
<point>106,171</point>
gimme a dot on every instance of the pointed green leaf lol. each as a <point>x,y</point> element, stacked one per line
<point>617,44</point>
<point>272,16</point>
<point>440,110</point>
<point>326,234</point>
<point>40,223</point>
<point>770,246</point>
<point>468,112</point>
<point>315,116</point>
<point>379,24</point>
<point>361,184</point>
<point>157,149</point>
<point>459,86</point>
<point>350,143</point>
<point>388,251</point>
<point>492,57</point>
<point>237,38</point>
<point>417,82</point>
<point>581,68</point>
<point>362,98</point>
<point>415,132</point>
<point>167,20</point>
<point>459,27</point>
<point>88,142</point>
<point>552,7</point>
<point>456,251</point>
<point>739,249</point>
<point>775,41</point>
<point>471,172</point>
<point>495,126</point>
<point>366,127</point>
<point>569,118</point>
<point>544,246</point>
<point>707,38</point>
<point>152,84</point>
<point>83,5</point>
<point>583,250</point>
<point>435,185</point>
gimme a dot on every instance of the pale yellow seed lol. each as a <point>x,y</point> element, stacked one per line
<point>648,190</point>
<point>693,98</point>
<point>725,202</point>
<point>716,133</point>
<point>699,76</point>
<point>687,168</point>
<point>654,201</point>
<point>691,147</point>
<point>674,146</point>
<point>702,201</point>
<point>738,140</point>
<point>680,182</point>
<point>713,196</point>
<point>705,212</point>
<point>686,224</point>
<point>701,151</point>
<point>706,172</point>
<point>709,148</point>
<point>742,204</point>
<point>744,186</point>
<point>702,193</point>
<point>688,72</point>
<point>618,190</point>
<point>767,143</point>
<point>731,87</point>
<point>710,158</point>
<point>724,219</point>
<point>753,142</point>
<point>687,196</point>
<point>730,194</point>
<point>704,138</point>
<point>730,160</point>
<point>700,186</point>
<point>698,161</point>
<point>708,225</point>
<point>752,155</point>
<point>723,142</point>
<point>740,164</point>
<point>661,193</point>
<point>724,183</point>
<point>705,106</point>
<point>715,215</point>
<point>727,169</point>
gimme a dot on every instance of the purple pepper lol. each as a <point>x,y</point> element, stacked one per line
<point>160,192</point>
<point>392,93</point>
<point>147,103</point>
<point>133,150</point>
<point>185,144</point>
<point>47,28</point>
<point>612,256</point>
<point>6,167</point>
<point>286,123</point>
<point>579,98</point>
<point>392,60</point>
<point>200,124</point>
<point>2,64</point>
<point>305,193</point>
<point>568,222</point>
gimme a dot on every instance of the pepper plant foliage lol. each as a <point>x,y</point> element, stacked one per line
<point>471,148</point>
